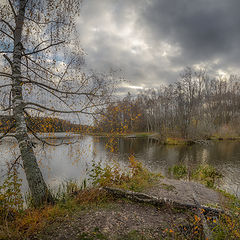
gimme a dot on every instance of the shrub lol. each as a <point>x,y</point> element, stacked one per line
<point>11,199</point>
<point>178,171</point>
<point>135,177</point>
<point>207,175</point>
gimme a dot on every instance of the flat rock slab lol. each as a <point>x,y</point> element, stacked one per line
<point>182,192</point>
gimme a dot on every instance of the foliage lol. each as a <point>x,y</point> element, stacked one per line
<point>178,171</point>
<point>228,224</point>
<point>96,234</point>
<point>44,124</point>
<point>28,222</point>
<point>228,227</point>
<point>67,189</point>
<point>11,200</point>
<point>136,177</point>
<point>204,173</point>
<point>120,117</point>
<point>207,175</point>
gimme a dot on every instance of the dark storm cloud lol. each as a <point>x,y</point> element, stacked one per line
<point>203,28</point>
<point>153,40</point>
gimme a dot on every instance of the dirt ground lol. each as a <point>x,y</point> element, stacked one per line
<point>120,220</point>
<point>123,219</point>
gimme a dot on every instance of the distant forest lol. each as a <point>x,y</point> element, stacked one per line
<point>196,105</point>
<point>43,124</point>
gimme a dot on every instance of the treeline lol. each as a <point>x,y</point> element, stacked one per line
<point>43,124</point>
<point>196,105</point>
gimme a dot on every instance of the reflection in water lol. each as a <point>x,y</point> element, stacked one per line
<point>74,161</point>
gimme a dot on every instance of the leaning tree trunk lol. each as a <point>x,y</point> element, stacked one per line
<point>37,185</point>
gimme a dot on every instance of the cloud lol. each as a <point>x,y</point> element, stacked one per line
<point>151,41</point>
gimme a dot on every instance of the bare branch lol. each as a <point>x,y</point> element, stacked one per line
<point>42,23</point>
<point>6,51</point>
<point>41,140</point>
<point>39,65</point>
<point>6,34</point>
<point>13,164</point>
<point>35,135</point>
<point>14,13</point>
<point>8,59</point>
<point>37,74</point>
<point>62,111</point>
<point>6,109</point>
<point>43,49</point>
<point>40,44</point>
<point>60,91</point>
<point>57,97</point>
<point>6,85</point>
<point>8,24</point>
<point>3,74</point>
<point>6,133</point>
<point>64,72</point>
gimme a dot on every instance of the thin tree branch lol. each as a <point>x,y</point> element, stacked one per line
<point>14,13</point>
<point>6,133</point>
<point>41,140</point>
<point>13,164</point>
<point>39,65</point>
<point>40,44</point>
<point>56,97</point>
<point>3,74</point>
<point>8,24</point>
<point>61,101</point>
<point>6,34</point>
<point>6,85</point>
<point>62,111</point>
<point>6,109</point>
<point>42,23</point>
<point>38,75</point>
<point>60,91</point>
<point>7,51</point>
<point>64,73</point>
<point>8,59</point>
<point>43,49</point>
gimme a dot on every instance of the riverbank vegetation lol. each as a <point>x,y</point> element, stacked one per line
<point>203,173</point>
<point>73,199</point>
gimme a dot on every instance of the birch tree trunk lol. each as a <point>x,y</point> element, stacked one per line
<point>37,185</point>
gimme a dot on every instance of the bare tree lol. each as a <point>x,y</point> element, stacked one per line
<point>196,106</point>
<point>40,73</point>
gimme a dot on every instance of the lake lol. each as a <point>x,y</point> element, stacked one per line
<point>75,160</point>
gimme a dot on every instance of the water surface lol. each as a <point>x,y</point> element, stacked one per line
<point>75,160</point>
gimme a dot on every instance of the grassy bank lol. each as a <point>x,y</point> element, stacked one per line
<point>122,134</point>
<point>222,138</point>
<point>204,173</point>
<point>156,137</point>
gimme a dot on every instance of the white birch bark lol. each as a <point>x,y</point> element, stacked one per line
<point>37,185</point>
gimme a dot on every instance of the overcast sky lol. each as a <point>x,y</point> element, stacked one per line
<point>151,41</point>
